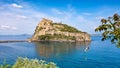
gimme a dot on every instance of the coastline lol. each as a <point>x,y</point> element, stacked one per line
<point>9,41</point>
<point>30,40</point>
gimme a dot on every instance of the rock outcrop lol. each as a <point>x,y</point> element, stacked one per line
<point>46,30</point>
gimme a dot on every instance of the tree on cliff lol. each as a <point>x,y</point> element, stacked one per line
<point>110,29</point>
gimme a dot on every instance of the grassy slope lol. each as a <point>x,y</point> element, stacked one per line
<point>67,28</point>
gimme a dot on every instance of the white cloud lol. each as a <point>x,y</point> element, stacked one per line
<point>16,5</point>
<point>7,27</point>
<point>100,17</point>
<point>64,14</point>
<point>81,19</point>
<point>14,15</point>
<point>86,24</point>
<point>43,15</point>
<point>21,17</point>
<point>85,13</point>
<point>56,11</point>
<point>7,14</point>
<point>1,7</point>
<point>68,15</point>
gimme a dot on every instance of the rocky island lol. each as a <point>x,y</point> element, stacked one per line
<point>47,30</point>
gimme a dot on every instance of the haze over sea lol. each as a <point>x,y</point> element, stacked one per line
<point>94,54</point>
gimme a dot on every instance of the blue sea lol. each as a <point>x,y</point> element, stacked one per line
<point>94,54</point>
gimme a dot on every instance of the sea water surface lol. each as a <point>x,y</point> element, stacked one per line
<point>94,54</point>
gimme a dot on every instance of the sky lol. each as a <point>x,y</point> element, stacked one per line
<point>22,16</point>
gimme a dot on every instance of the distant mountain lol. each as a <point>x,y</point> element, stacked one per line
<point>26,34</point>
<point>47,30</point>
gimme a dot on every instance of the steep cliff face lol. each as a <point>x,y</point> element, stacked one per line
<point>47,30</point>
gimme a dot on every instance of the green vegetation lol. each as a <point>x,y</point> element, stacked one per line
<point>56,36</point>
<point>66,28</point>
<point>45,37</point>
<point>27,63</point>
<point>5,66</point>
<point>38,29</point>
<point>111,29</point>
